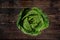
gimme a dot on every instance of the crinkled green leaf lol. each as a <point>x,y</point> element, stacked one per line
<point>32,21</point>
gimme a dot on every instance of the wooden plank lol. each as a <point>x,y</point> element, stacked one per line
<point>9,13</point>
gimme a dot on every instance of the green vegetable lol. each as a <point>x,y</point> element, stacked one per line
<point>32,21</point>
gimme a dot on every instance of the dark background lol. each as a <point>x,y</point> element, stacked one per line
<point>9,10</point>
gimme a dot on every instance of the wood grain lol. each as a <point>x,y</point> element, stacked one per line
<point>9,11</point>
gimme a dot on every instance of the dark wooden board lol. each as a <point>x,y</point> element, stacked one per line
<point>9,11</point>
